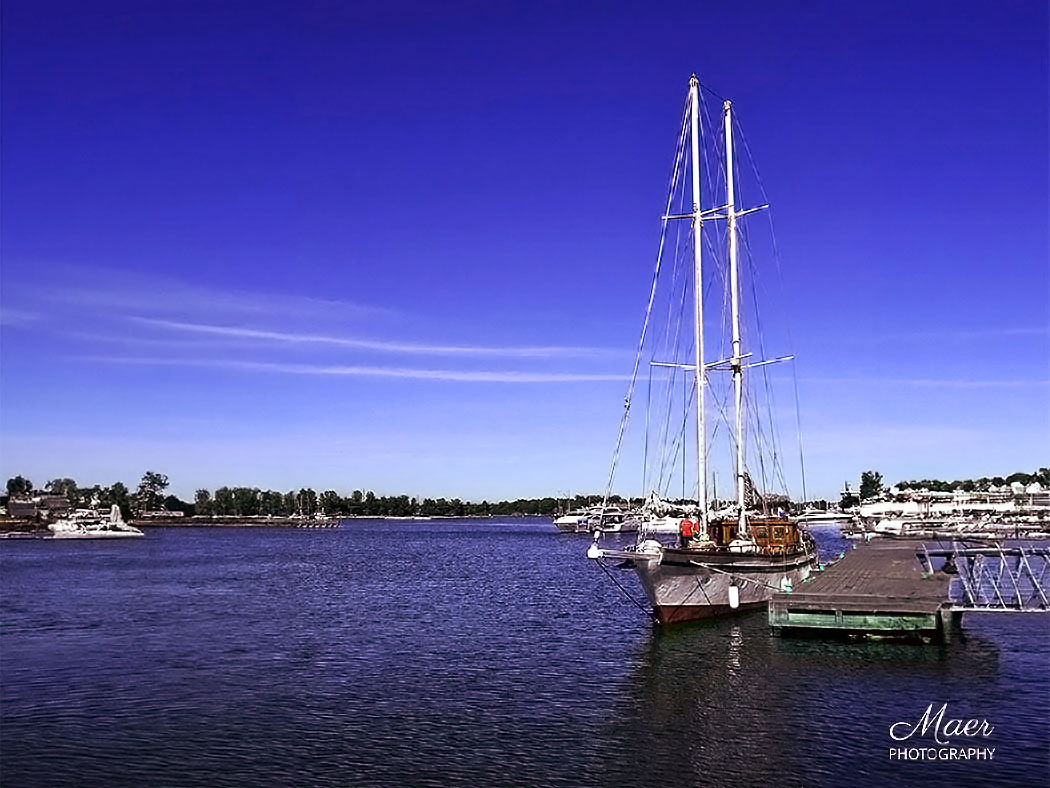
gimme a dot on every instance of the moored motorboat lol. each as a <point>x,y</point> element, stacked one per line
<point>603,519</point>
<point>90,524</point>
<point>574,522</point>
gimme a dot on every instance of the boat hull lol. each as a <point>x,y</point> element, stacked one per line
<point>573,527</point>
<point>97,535</point>
<point>627,526</point>
<point>672,614</point>
<point>685,585</point>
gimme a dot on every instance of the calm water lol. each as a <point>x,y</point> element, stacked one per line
<point>450,653</point>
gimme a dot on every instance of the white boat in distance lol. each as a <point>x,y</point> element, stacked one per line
<point>90,524</point>
<point>735,558</point>
<point>610,520</point>
<point>574,522</point>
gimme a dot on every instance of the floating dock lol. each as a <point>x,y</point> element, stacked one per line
<point>878,590</point>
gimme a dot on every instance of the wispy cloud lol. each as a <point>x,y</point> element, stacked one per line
<point>971,333</point>
<point>938,335</point>
<point>471,376</point>
<point>119,291</point>
<point>295,337</point>
<point>17,317</point>
<point>931,382</point>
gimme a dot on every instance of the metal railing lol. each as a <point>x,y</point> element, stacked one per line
<point>993,577</point>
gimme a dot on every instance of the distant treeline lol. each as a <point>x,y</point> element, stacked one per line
<point>254,502</point>
<point>978,485</point>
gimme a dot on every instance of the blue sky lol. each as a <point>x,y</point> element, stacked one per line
<point>406,247</point>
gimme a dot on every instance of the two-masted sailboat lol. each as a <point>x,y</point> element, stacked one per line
<point>732,556</point>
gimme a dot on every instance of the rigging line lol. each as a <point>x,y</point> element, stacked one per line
<point>648,408</point>
<point>666,392</point>
<point>685,415</point>
<point>771,400</point>
<point>718,96</point>
<point>736,578</point>
<point>674,372</point>
<point>678,437</point>
<point>680,250</point>
<point>774,437</point>
<point>679,441</point>
<point>689,596</point>
<point>665,487</point>
<point>627,593</point>
<point>648,311</point>
<point>763,477</point>
<point>677,322</point>
<point>780,276</point>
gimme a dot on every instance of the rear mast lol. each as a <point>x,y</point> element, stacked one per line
<point>736,362</point>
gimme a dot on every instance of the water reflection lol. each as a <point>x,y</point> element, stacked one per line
<point>724,703</point>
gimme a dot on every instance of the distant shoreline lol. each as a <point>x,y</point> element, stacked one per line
<point>234,521</point>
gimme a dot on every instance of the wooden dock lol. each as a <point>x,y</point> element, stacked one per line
<point>878,590</point>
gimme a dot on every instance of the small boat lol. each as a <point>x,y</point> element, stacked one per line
<point>612,520</point>
<point>821,516</point>
<point>91,524</point>
<point>574,522</point>
<point>736,556</point>
<point>598,519</point>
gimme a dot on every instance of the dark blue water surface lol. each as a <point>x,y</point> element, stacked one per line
<point>457,653</point>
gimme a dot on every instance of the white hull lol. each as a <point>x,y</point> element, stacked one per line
<point>98,534</point>
<point>690,586</point>
<point>571,525</point>
<point>89,524</point>
<point>627,526</point>
<point>661,525</point>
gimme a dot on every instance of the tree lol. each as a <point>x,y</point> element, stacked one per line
<point>151,487</point>
<point>117,493</point>
<point>91,496</point>
<point>870,484</point>
<point>224,503</point>
<point>307,502</point>
<point>19,485</point>
<point>67,488</point>
<point>272,503</point>
<point>246,501</point>
<point>202,502</point>
<point>175,504</point>
<point>331,503</point>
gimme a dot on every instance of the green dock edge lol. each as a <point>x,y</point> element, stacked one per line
<point>787,620</point>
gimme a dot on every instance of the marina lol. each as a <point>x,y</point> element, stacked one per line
<point>525,395</point>
<point>218,644</point>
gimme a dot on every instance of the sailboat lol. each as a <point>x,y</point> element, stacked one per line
<point>732,556</point>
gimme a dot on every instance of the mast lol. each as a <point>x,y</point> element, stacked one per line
<point>736,362</point>
<point>698,223</point>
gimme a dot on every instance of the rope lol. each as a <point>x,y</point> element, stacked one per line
<point>780,276</point>
<point>627,593</point>
<point>648,310</point>
<point>736,578</point>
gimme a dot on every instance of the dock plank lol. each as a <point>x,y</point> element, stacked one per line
<point>878,587</point>
<point>885,569</point>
